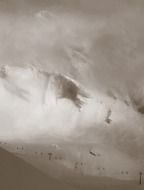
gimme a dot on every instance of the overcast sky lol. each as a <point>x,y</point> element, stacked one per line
<point>105,37</point>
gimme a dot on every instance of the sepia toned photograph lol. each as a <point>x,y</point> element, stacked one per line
<point>71,94</point>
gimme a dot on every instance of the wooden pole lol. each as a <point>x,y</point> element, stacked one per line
<point>140,178</point>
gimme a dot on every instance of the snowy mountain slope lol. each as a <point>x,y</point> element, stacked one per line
<point>38,106</point>
<point>36,102</point>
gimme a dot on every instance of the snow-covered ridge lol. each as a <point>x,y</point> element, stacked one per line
<point>40,106</point>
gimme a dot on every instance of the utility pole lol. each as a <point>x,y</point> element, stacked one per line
<point>140,178</point>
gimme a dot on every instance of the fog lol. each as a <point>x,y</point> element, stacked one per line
<point>96,44</point>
